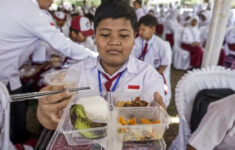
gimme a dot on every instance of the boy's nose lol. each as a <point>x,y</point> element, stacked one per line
<point>114,43</point>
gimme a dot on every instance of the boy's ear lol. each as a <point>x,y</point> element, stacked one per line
<point>153,28</point>
<point>73,34</point>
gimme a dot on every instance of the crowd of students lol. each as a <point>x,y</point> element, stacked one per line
<point>132,55</point>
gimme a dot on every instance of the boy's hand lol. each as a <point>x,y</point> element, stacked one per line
<point>50,108</point>
<point>158,100</point>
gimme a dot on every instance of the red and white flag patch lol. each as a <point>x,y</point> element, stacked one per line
<point>52,24</point>
<point>134,87</point>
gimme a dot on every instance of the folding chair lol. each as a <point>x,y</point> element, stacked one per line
<point>186,90</point>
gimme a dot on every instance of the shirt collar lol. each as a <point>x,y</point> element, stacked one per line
<point>130,65</point>
<point>151,40</point>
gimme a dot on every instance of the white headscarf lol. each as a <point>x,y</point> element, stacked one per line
<point>184,16</point>
<point>191,33</point>
<point>207,14</point>
<point>174,14</point>
<point>231,19</point>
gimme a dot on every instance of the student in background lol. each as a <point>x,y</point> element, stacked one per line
<point>150,48</point>
<point>171,24</point>
<point>205,18</point>
<point>230,48</point>
<point>81,32</point>
<point>114,69</point>
<point>191,42</point>
<point>60,19</point>
<point>138,9</point>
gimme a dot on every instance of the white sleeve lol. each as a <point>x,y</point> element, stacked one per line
<point>153,82</point>
<point>163,51</point>
<point>40,26</point>
<point>214,126</point>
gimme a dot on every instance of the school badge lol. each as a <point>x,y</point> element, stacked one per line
<point>155,61</point>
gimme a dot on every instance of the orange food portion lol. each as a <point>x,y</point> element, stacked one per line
<point>122,120</point>
<point>145,121</point>
<point>156,121</point>
<point>132,121</point>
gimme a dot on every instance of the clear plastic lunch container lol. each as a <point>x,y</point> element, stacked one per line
<point>62,77</point>
<point>58,142</point>
<point>85,136</point>
<point>139,131</point>
<point>122,96</point>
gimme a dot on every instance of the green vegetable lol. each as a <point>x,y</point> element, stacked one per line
<point>80,121</point>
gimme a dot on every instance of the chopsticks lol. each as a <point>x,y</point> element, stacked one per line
<point>36,95</point>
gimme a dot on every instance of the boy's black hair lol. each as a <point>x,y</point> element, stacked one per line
<point>148,20</point>
<point>138,1</point>
<point>115,9</point>
<point>70,31</point>
<point>89,16</point>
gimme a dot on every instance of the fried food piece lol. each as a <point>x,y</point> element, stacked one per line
<point>136,103</point>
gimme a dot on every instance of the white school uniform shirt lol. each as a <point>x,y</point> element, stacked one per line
<point>230,36</point>
<point>89,43</point>
<point>203,34</point>
<point>171,22</point>
<point>136,74</point>
<point>40,54</point>
<point>229,39</point>
<point>156,54</point>
<point>64,29</point>
<point>22,30</point>
<point>216,131</point>
<point>139,13</point>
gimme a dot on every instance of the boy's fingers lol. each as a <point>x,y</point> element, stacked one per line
<point>158,98</point>
<point>60,106</point>
<point>55,98</point>
<point>53,88</point>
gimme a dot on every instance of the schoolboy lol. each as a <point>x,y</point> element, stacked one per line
<point>115,25</point>
<point>148,47</point>
<point>60,19</point>
<point>153,50</point>
<point>81,32</point>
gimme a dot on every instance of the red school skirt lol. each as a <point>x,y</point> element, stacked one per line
<point>196,54</point>
<point>170,39</point>
<point>159,29</point>
<point>231,47</point>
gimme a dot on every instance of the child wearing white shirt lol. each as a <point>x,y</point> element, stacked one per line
<point>113,70</point>
<point>191,42</point>
<point>151,49</point>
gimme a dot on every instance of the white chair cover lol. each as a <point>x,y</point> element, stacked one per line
<point>186,90</point>
<point>5,143</point>
<point>181,58</point>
